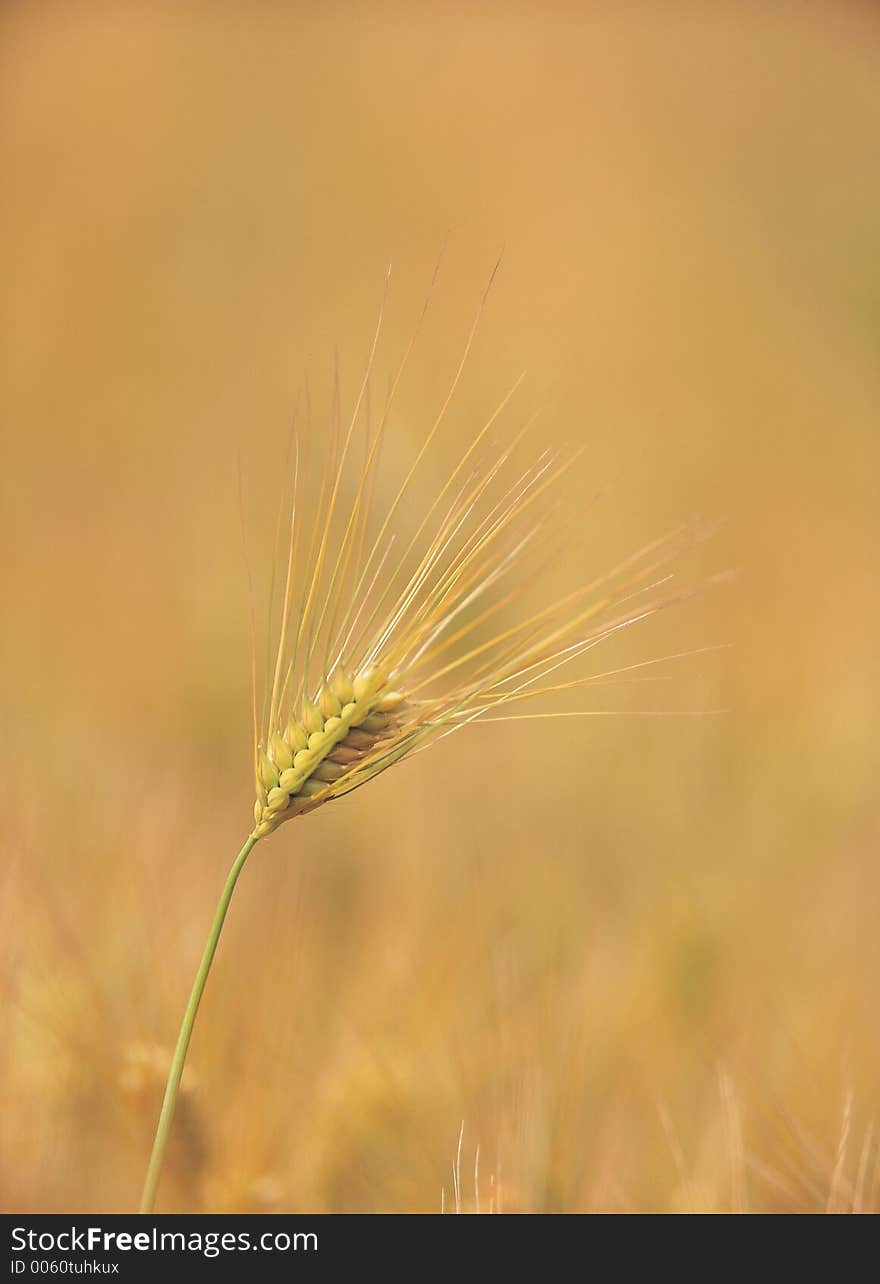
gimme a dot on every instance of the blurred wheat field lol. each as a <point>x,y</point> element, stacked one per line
<point>638,957</point>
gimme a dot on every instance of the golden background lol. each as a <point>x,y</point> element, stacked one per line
<point>637,957</point>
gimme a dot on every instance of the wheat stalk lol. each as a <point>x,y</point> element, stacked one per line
<point>379,652</point>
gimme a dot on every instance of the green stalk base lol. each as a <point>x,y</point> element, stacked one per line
<point>169,1102</point>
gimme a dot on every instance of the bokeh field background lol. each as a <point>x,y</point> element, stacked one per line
<point>638,957</point>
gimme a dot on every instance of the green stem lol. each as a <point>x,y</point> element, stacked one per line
<point>166,1117</point>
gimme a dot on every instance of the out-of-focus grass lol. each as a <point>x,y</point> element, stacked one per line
<point>641,965</point>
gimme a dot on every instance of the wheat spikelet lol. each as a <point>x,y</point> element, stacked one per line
<point>385,652</point>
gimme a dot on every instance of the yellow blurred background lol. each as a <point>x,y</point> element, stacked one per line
<point>638,958</point>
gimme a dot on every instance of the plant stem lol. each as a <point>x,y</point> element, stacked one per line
<point>169,1103</point>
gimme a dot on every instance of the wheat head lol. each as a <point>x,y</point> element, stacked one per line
<point>377,653</point>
